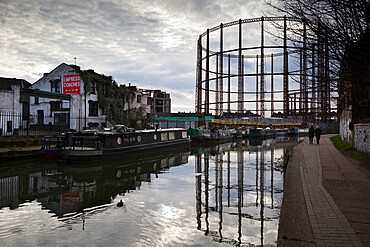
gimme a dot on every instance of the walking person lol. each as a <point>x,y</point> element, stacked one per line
<point>311,134</point>
<point>318,134</point>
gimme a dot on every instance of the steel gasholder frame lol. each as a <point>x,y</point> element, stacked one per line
<point>311,100</point>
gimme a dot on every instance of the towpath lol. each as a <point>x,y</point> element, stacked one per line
<point>326,198</point>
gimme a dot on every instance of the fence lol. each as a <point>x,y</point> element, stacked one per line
<point>18,124</point>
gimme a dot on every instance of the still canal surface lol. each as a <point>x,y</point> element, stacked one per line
<point>220,195</point>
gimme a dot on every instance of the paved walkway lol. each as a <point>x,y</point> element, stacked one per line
<point>336,198</point>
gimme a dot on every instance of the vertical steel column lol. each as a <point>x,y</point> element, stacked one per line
<point>216,180</point>
<point>240,157</point>
<point>295,104</point>
<point>206,191</point>
<point>240,82</point>
<point>198,190</point>
<point>262,188</point>
<point>228,86</point>
<point>207,77</point>
<point>272,177</point>
<point>257,190</point>
<point>285,76</point>
<point>217,89</point>
<point>301,97</point>
<point>305,92</point>
<point>228,178</point>
<point>198,100</point>
<point>313,85</point>
<point>320,79</point>
<point>262,70</point>
<point>326,112</point>
<point>220,188</point>
<point>272,84</point>
<point>243,82</point>
<point>257,85</point>
<point>221,70</point>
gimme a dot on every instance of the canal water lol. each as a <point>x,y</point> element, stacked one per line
<point>216,195</point>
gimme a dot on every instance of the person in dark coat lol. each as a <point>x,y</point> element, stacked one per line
<point>318,134</point>
<point>311,134</point>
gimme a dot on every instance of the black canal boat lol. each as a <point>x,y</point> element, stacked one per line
<point>92,144</point>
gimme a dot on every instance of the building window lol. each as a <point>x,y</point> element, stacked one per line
<point>93,108</point>
<point>159,102</point>
<point>40,116</point>
<point>37,101</point>
<point>148,101</point>
<point>9,126</point>
<point>138,98</point>
<point>25,111</point>
<point>55,105</point>
<point>55,86</point>
<point>93,87</point>
<point>159,109</point>
<point>60,118</point>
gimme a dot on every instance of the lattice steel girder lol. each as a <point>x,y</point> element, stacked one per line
<point>272,84</point>
<point>198,103</point>
<point>207,77</point>
<point>240,77</point>
<point>217,89</point>
<point>262,71</point>
<point>285,68</point>
<point>221,70</point>
<point>257,84</point>
<point>212,84</point>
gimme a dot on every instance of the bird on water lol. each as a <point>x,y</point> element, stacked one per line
<point>120,203</point>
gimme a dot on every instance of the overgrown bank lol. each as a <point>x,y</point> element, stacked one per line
<point>350,151</point>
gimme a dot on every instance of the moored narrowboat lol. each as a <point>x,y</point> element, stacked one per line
<point>84,145</point>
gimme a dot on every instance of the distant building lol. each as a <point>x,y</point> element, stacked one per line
<point>11,101</point>
<point>155,102</point>
<point>78,111</point>
<point>14,107</point>
<point>68,98</point>
<point>161,101</point>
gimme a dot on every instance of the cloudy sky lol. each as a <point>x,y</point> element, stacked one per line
<point>151,44</point>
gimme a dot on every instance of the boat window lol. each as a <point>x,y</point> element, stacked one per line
<point>184,135</point>
<point>171,161</point>
<point>163,163</point>
<point>164,136</point>
<point>155,136</point>
<point>171,135</point>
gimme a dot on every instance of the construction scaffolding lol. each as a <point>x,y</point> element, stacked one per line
<point>291,59</point>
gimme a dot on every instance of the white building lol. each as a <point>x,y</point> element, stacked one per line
<point>78,112</point>
<point>62,100</point>
<point>14,107</point>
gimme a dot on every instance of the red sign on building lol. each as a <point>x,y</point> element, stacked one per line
<point>70,201</point>
<point>71,84</point>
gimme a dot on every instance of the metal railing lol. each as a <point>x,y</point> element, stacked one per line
<point>19,125</point>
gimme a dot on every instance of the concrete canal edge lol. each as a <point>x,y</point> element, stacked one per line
<point>19,154</point>
<point>294,223</point>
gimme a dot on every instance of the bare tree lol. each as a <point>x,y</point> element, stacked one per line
<point>340,31</point>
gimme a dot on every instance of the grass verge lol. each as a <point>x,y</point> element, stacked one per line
<point>350,151</point>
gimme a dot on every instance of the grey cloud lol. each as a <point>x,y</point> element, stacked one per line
<point>151,44</point>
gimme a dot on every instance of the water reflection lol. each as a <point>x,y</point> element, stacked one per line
<point>235,186</point>
<point>65,189</point>
<point>237,198</point>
